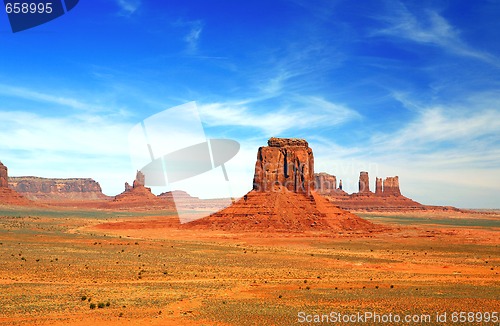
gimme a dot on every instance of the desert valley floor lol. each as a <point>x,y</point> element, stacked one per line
<point>141,268</point>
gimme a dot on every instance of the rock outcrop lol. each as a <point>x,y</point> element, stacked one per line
<point>54,189</point>
<point>285,162</point>
<point>7,195</point>
<point>4,178</point>
<point>378,186</point>
<point>391,186</point>
<point>387,196</point>
<point>364,183</point>
<point>325,183</point>
<point>283,198</point>
<point>140,180</point>
<point>139,197</point>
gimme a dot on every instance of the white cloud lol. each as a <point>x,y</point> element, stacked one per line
<point>430,28</point>
<point>308,112</point>
<point>128,7</point>
<point>28,94</point>
<point>69,146</point>
<point>193,37</point>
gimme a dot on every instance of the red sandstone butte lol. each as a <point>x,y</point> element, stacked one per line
<point>364,183</point>
<point>326,184</point>
<point>288,162</point>
<point>138,196</point>
<point>387,196</point>
<point>7,195</point>
<point>283,198</point>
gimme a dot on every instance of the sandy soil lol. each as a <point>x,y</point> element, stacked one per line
<point>55,263</point>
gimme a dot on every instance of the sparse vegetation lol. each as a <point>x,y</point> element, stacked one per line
<point>281,279</point>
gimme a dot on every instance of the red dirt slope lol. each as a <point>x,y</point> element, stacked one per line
<point>282,210</point>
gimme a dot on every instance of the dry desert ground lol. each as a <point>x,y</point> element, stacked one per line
<point>140,268</point>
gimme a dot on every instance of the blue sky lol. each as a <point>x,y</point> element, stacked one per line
<point>406,88</point>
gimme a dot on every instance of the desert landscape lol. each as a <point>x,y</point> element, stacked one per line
<point>283,254</point>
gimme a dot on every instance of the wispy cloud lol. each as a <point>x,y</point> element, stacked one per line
<point>66,102</point>
<point>431,28</point>
<point>470,129</point>
<point>128,7</point>
<point>83,134</point>
<point>28,94</point>
<point>193,37</point>
<point>297,117</point>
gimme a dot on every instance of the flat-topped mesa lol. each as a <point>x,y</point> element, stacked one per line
<point>57,189</point>
<point>286,162</point>
<point>364,182</point>
<point>391,186</point>
<point>4,178</point>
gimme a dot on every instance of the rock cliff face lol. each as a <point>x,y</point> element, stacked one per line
<point>4,179</point>
<point>37,188</point>
<point>285,162</point>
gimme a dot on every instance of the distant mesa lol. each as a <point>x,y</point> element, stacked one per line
<point>283,197</point>
<point>7,195</point>
<point>57,189</point>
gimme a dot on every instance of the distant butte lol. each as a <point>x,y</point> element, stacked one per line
<point>138,196</point>
<point>283,197</point>
<point>387,194</point>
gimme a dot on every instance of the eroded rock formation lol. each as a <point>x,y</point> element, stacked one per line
<point>378,186</point>
<point>364,182</point>
<point>325,183</point>
<point>36,188</point>
<point>285,162</point>
<point>139,180</point>
<point>391,186</point>
<point>387,196</point>
<point>4,179</point>
<point>138,197</point>
<point>7,195</point>
<point>283,198</point>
